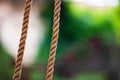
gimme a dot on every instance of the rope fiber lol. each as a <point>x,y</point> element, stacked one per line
<point>18,64</point>
<point>51,60</point>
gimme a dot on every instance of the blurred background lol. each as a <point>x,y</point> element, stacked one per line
<point>89,39</point>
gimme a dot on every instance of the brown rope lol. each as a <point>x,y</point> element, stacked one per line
<point>51,61</point>
<point>18,65</point>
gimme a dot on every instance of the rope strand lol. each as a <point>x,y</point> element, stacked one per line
<point>51,60</point>
<point>18,65</point>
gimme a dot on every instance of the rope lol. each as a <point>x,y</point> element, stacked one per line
<point>18,65</point>
<point>51,60</point>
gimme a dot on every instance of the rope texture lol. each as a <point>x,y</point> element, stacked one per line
<point>18,65</point>
<point>51,60</point>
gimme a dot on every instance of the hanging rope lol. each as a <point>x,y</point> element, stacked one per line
<point>51,60</point>
<point>18,65</point>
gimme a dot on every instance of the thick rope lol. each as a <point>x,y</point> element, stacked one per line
<point>51,60</point>
<point>18,65</point>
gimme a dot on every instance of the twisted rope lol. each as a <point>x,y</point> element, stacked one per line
<point>51,60</point>
<point>18,65</point>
